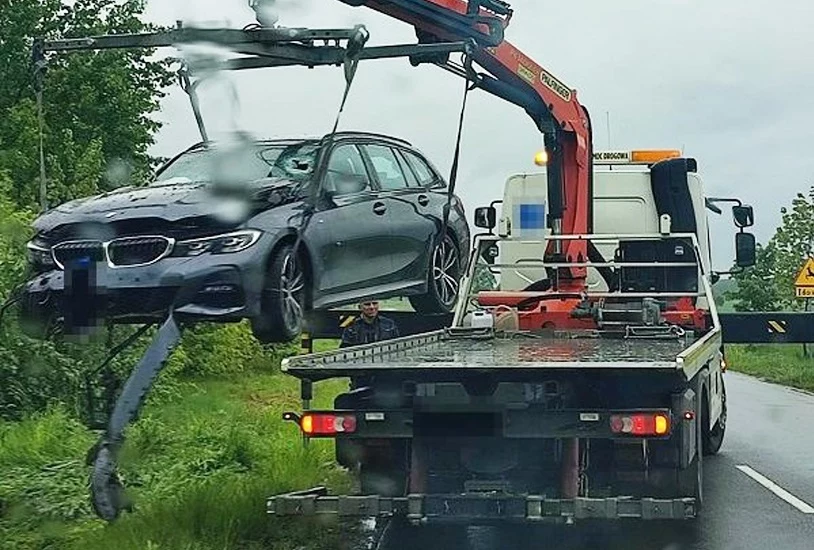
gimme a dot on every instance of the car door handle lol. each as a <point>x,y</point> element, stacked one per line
<point>423,200</point>
<point>379,208</point>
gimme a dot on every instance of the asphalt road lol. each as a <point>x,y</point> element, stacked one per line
<point>759,491</point>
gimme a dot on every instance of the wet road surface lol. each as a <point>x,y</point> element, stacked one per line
<point>759,491</point>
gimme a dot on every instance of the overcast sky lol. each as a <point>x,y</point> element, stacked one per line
<point>730,82</point>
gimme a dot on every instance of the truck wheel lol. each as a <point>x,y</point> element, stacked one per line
<point>691,479</point>
<point>283,302</point>
<point>714,438</point>
<point>444,279</point>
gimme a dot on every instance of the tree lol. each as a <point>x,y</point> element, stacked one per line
<point>97,105</point>
<point>794,241</point>
<point>756,288</point>
<point>97,110</point>
<point>769,285</point>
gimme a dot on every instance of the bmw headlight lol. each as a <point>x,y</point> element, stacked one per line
<point>219,244</point>
<point>39,253</point>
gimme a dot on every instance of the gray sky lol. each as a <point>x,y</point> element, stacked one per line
<point>729,81</point>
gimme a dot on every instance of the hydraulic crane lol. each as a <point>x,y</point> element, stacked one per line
<point>552,105</point>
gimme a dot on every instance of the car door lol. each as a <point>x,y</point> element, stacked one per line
<point>342,235</point>
<point>412,230</point>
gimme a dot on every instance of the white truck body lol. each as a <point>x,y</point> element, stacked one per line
<point>623,204</point>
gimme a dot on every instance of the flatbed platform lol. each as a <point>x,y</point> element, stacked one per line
<point>475,351</point>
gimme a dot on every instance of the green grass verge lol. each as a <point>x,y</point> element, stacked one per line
<point>199,469</point>
<point>782,364</point>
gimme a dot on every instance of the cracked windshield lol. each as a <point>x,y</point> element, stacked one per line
<point>405,274</point>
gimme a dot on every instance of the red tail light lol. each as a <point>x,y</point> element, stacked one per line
<point>641,424</point>
<point>327,423</point>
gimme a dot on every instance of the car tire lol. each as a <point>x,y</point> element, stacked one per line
<point>443,280</point>
<point>283,301</point>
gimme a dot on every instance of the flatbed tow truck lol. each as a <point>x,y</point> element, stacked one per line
<point>532,405</point>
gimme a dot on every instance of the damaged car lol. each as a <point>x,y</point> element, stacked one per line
<point>364,210</point>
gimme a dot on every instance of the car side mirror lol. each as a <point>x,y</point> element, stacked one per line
<point>745,254</point>
<point>743,215</point>
<point>486,217</point>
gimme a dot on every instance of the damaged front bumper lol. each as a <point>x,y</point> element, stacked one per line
<point>226,287</point>
<point>475,508</point>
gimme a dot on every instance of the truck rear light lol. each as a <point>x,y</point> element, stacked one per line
<point>640,424</point>
<point>327,423</point>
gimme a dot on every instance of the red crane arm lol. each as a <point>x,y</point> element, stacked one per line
<point>553,106</point>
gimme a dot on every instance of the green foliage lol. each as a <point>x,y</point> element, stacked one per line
<point>782,364</point>
<point>794,241</point>
<point>198,468</point>
<point>756,288</point>
<point>769,285</point>
<point>97,105</point>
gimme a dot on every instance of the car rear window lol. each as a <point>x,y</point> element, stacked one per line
<point>426,177</point>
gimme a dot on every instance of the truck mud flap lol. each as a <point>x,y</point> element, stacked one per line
<point>479,507</point>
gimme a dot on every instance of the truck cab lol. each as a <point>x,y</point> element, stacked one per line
<point>639,192</point>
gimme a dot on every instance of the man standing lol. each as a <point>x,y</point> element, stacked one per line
<point>369,327</point>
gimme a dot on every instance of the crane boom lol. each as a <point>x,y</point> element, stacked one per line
<point>552,105</point>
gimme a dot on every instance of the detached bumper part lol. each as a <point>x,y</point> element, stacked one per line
<point>478,507</point>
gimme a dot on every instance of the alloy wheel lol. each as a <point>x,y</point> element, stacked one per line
<point>445,271</point>
<point>292,285</point>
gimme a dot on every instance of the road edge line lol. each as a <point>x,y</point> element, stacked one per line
<point>801,505</point>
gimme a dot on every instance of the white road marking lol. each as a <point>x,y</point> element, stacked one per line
<point>776,489</point>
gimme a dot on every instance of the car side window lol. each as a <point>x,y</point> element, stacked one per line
<point>386,167</point>
<point>426,177</point>
<point>346,172</point>
<point>412,181</point>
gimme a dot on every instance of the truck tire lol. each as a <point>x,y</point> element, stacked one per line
<point>691,478</point>
<point>714,437</point>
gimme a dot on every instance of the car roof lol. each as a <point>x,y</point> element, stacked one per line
<point>347,134</point>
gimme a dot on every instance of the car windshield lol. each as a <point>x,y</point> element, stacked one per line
<point>293,161</point>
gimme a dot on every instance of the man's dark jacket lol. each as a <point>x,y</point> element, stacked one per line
<point>361,332</point>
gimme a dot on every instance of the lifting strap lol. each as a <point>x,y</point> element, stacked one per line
<point>351,63</point>
<point>469,84</point>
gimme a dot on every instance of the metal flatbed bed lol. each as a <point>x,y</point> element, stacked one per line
<point>476,351</point>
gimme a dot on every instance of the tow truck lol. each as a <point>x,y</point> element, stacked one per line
<point>588,384</point>
<point>538,402</point>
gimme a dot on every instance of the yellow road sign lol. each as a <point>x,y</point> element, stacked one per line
<point>804,291</point>
<point>806,275</point>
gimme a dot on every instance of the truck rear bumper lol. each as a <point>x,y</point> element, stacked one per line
<point>478,508</point>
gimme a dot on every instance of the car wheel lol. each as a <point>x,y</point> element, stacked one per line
<point>443,279</point>
<point>283,303</point>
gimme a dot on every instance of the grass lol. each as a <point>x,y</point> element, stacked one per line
<point>199,469</point>
<point>200,465</point>
<point>782,364</point>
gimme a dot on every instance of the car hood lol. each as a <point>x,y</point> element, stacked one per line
<point>170,201</point>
